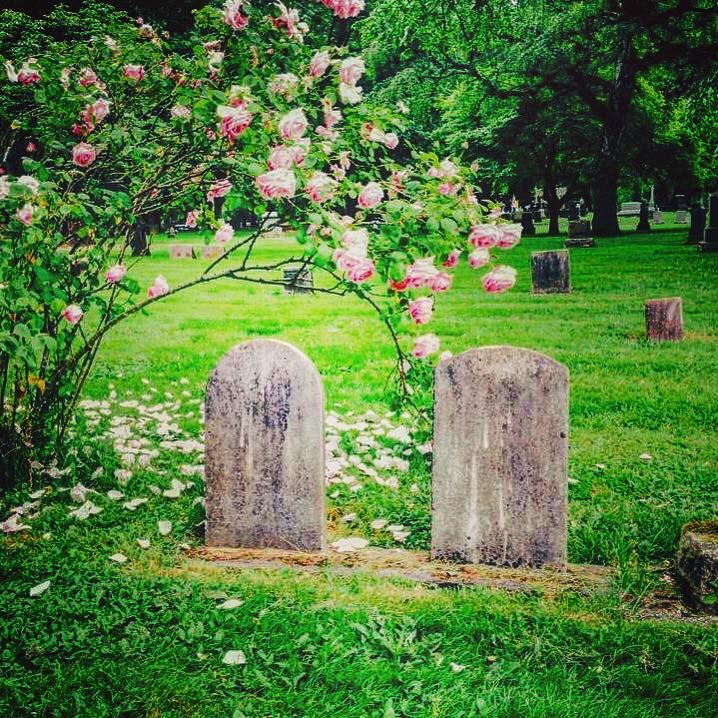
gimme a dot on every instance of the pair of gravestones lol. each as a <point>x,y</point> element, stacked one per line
<point>500,454</point>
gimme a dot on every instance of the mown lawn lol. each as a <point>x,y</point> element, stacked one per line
<point>145,638</point>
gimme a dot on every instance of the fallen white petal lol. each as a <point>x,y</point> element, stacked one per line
<point>234,658</point>
<point>348,545</point>
<point>231,603</point>
<point>143,543</point>
<point>40,588</point>
<point>164,527</point>
<point>118,558</point>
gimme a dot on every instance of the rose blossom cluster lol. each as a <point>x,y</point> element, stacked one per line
<point>352,258</point>
<point>288,20</point>
<point>159,288</point>
<point>350,72</point>
<point>374,134</point>
<point>26,75</point>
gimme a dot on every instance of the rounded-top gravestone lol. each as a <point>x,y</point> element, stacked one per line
<point>264,436</point>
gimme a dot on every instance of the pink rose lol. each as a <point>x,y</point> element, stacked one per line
<point>159,288</point>
<point>88,77</point>
<point>510,235</point>
<point>356,239</point>
<point>345,8</point>
<point>72,314</point>
<point>224,234</point>
<point>420,310</point>
<point>351,70</point>
<point>83,155</point>
<point>235,120</point>
<point>180,112</point>
<point>280,158</point>
<point>350,94</point>
<point>421,272</point>
<point>31,147</point>
<point>115,274</point>
<point>500,279</point>
<point>425,345</point>
<point>277,183</point>
<point>293,125</point>
<point>391,140</point>
<point>30,182</point>
<point>25,213</point>
<point>27,75</point>
<point>319,64</point>
<point>370,196</point>
<point>320,187</point>
<point>452,259</point>
<point>134,72</point>
<point>479,257</point>
<point>361,271</point>
<point>484,235</point>
<point>219,189</point>
<point>4,187</point>
<point>100,109</point>
<point>331,117</point>
<point>191,219</point>
<point>440,282</point>
<point>289,20</point>
<point>232,15</point>
<point>327,134</point>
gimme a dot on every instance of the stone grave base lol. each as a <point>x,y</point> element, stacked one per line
<point>413,566</point>
<point>574,242</point>
<point>708,246</point>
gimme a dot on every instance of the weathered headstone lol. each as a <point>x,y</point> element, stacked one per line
<point>579,234</point>
<point>710,236</point>
<point>500,451</point>
<point>664,319</point>
<point>574,214</point>
<point>643,224</point>
<point>698,223</point>
<point>697,565</point>
<point>212,251</point>
<point>298,281</point>
<point>264,435</point>
<point>528,229</point>
<point>681,216</point>
<point>182,251</point>
<point>550,272</point>
<point>658,217</point>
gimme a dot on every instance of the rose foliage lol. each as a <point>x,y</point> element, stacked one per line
<point>253,119</point>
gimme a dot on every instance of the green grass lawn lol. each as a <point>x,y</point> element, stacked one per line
<point>145,638</point>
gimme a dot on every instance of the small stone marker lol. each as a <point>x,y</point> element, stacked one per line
<point>658,217</point>
<point>643,224</point>
<point>681,216</point>
<point>710,236</point>
<point>528,228</point>
<point>182,251</point>
<point>264,438</point>
<point>579,234</point>
<point>500,455</point>
<point>698,223</point>
<point>212,251</point>
<point>664,319</point>
<point>697,565</point>
<point>551,272</point>
<point>298,281</point>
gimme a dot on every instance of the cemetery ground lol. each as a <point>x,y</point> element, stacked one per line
<point>147,632</point>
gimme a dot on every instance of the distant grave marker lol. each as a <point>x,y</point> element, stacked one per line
<point>182,251</point>
<point>550,272</point>
<point>664,319</point>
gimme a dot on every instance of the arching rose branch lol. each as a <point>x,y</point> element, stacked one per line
<point>252,120</point>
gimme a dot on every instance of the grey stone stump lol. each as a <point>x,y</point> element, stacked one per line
<point>499,491</point>
<point>182,251</point>
<point>264,437</point>
<point>697,565</point>
<point>664,319</point>
<point>550,272</point>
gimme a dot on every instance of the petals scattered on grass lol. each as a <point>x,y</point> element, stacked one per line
<point>118,558</point>
<point>164,527</point>
<point>348,545</point>
<point>230,603</point>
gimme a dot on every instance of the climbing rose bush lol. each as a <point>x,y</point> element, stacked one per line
<point>252,119</point>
